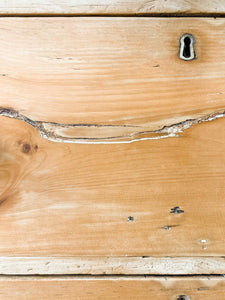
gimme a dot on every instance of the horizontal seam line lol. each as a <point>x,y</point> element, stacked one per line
<point>129,15</point>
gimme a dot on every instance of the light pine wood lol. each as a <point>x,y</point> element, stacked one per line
<point>116,80</point>
<point>111,265</point>
<point>114,288</point>
<point>75,199</point>
<point>111,152</point>
<point>105,7</point>
<point>111,71</point>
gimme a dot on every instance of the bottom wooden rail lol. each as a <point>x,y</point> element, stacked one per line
<point>111,287</point>
<point>112,265</point>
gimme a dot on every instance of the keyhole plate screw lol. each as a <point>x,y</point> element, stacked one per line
<point>187,51</point>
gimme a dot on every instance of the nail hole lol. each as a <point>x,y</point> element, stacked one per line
<point>176,210</point>
<point>187,51</point>
<point>183,297</point>
<point>129,219</point>
<point>167,227</point>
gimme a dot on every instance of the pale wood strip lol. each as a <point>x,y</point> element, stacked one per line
<point>105,7</point>
<point>111,265</point>
<point>113,288</point>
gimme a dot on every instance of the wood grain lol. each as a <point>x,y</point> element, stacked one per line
<point>160,196</point>
<point>111,71</point>
<point>114,288</point>
<point>112,265</point>
<point>125,7</point>
<point>74,199</point>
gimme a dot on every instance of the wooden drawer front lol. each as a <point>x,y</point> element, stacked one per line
<point>87,288</point>
<point>110,144</point>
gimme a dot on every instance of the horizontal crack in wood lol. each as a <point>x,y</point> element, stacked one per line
<point>106,134</point>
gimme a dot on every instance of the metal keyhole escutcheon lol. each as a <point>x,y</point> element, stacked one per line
<point>187,51</point>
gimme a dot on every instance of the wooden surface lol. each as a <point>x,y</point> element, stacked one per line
<point>111,153</point>
<point>110,71</point>
<point>93,265</point>
<point>109,80</point>
<point>95,7</point>
<point>113,288</point>
<point>75,199</point>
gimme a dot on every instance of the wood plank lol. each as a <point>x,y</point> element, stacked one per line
<point>111,71</point>
<point>112,265</point>
<point>93,7</point>
<point>113,288</point>
<point>76,199</point>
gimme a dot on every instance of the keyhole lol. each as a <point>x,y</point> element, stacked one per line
<point>187,42</point>
<point>187,51</point>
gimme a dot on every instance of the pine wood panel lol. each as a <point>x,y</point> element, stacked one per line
<point>111,71</point>
<point>126,7</point>
<point>158,188</point>
<point>75,199</point>
<point>134,288</point>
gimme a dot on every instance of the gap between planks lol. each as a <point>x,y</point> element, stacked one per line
<point>110,278</point>
<point>112,15</point>
<point>112,266</point>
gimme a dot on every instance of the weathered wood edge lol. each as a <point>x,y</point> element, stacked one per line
<point>112,265</point>
<point>123,7</point>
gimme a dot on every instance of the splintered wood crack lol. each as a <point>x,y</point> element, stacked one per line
<point>106,134</point>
